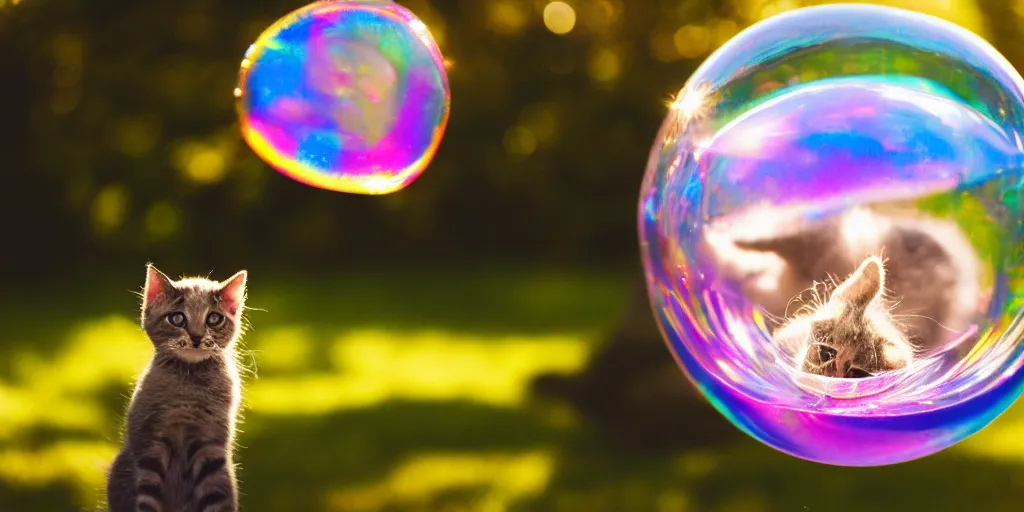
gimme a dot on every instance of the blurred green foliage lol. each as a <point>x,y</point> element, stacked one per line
<point>379,393</point>
<point>394,351</point>
<point>120,142</point>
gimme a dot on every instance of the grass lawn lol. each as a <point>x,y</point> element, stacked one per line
<point>406,393</point>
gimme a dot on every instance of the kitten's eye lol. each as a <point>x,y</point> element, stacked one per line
<point>856,373</point>
<point>177,319</point>
<point>214,319</point>
<point>826,353</point>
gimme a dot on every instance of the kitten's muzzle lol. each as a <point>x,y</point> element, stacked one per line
<point>197,339</point>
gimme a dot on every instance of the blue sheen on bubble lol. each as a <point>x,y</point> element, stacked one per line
<point>811,144</point>
<point>346,95</point>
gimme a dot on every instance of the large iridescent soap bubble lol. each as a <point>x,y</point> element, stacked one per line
<point>344,95</point>
<point>831,224</point>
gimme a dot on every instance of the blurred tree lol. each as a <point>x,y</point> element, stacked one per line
<point>127,146</point>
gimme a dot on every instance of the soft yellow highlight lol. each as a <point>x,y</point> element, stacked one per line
<point>377,365</point>
<point>109,208</point>
<point>519,140</point>
<point>605,65</point>
<point>162,220</point>
<point>1001,441</point>
<point>506,478</point>
<point>507,16</point>
<point>287,348</point>
<point>60,393</point>
<point>559,17</point>
<point>965,13</point>
<point>83,463</point>
<point>201,163</point>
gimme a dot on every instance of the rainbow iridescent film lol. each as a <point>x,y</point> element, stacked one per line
<point>831,224</point>
<point>349,96</point>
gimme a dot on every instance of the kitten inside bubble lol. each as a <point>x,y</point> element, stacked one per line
<point>852,334</point>
<point>877,313</point>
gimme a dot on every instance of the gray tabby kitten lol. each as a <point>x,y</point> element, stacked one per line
<point>181,421</point>
<point>852,334</point>
<point>931,279</point>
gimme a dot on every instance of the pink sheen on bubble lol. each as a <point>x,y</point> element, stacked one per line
<point>810,143</point>
<point>348,96</point>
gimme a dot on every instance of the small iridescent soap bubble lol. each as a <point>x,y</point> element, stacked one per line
<point>831,224</point>
<point>349,96</point>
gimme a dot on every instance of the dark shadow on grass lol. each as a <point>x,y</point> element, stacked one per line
<point>55,497</point>
<point>750,476</point>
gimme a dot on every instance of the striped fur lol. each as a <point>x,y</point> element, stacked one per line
<point>177,454</point>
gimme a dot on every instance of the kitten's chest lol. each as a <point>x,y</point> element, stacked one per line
<point>170,398</point>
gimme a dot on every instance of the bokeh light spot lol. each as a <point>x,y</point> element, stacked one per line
<point>559,17</point>
<point>691,41</point>
<point>109,207</point>
<point>507,16</point>
<point>541,121</point>
<point>605,65</point>
<point>201,163</point>
<point>136,137</point>
<point>520,141</point>
<point>163,220</point>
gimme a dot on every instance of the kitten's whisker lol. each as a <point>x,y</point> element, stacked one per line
<point>947,328</point>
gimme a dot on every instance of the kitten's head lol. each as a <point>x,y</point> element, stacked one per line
<point>853,334</point>
<point>192,319</point>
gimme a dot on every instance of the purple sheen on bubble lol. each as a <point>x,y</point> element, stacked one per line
<point>831,134</point>
<point>348,96</point>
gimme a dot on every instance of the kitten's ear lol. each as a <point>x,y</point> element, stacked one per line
<point>233,291</point>
<point>157,284</point>
<point>864,285</point>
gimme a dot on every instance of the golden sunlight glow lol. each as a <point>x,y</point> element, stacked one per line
<point>286,348</point>
<point>162,220</point>
<point>662,46</point>
<point>81,463</point>
<point>519,140</point>
<point>599,16</point>
<point>688,101</point>
<point>542,122</point>
<point>559,17</point>
<point>201,163</point>
<point>373,366</point>
<point>1000,441</point>
<point>691,103</point>
<point>507,16</point>
<point>135,137</point>
<point>506,478</point>
<point>605,65</point>
<point>692,40</point>
<point>381,184</point>
<point>109,208</point>
<point>722,30</point>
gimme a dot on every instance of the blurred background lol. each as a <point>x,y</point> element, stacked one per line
<point>406,349</point>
